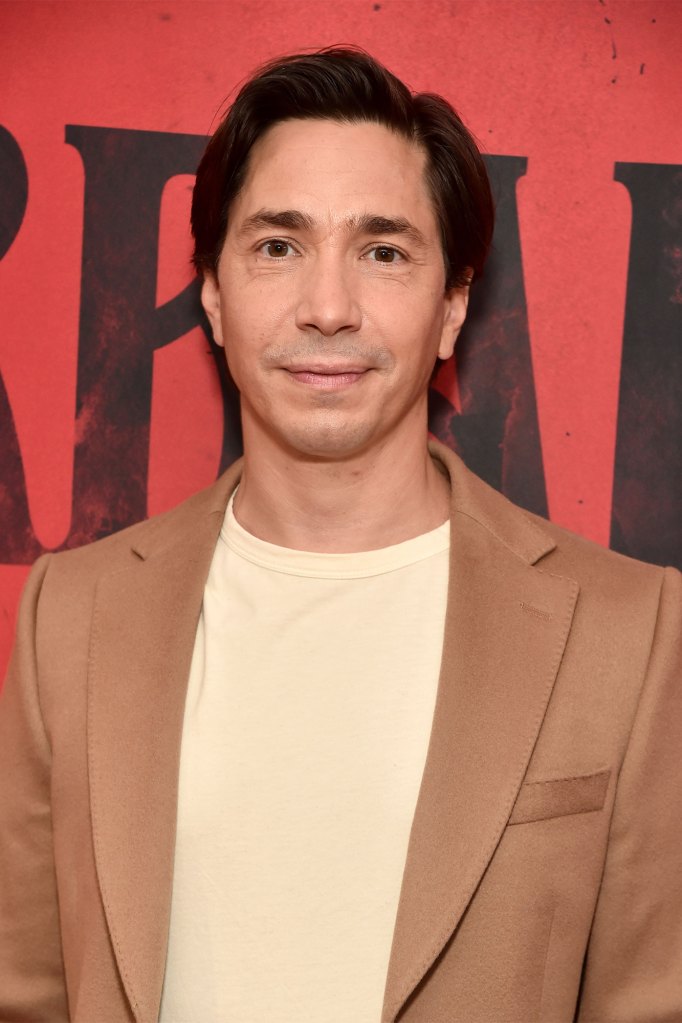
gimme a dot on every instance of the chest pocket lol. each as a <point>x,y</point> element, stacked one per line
<point>559,797</point>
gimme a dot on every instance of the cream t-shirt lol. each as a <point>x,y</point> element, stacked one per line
<point>307,721</point>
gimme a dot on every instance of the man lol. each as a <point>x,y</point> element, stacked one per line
<point>346,737</point>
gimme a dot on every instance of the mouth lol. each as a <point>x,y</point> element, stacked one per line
<point>331,378</point>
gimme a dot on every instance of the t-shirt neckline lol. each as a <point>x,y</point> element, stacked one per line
<point>356,565</point>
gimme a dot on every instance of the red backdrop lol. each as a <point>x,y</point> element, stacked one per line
<point>586,94</point>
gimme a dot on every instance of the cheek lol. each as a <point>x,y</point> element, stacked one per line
<point>412,306</point>
<point>254,310</point>
<point>247,334</point>
<point>416,331</point>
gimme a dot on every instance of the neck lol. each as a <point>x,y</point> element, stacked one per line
<point>375,499</point>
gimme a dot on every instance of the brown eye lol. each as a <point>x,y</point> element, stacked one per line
<point>384,254</point>
<point>276,249</point>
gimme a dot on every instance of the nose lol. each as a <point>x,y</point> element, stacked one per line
<point>327,302</point>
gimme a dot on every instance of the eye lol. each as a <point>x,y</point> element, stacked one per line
<point>276,248</point>
<point>385,254</point>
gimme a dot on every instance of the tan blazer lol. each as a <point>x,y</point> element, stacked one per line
<point>544,874</point>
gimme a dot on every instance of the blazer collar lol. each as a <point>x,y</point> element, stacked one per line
<point>498,667</point>
<point>506,522</point>
<point>470,496</point>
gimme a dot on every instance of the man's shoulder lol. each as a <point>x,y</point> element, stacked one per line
<point>614,589</point>
<point>545,545</point>
<point>117,550</point>
<point>618,596</point>
<point>592,559</point>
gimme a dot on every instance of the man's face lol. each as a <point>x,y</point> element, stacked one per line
<point>330,294</point>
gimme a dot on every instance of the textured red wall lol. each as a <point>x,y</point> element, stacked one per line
<point>574,87</point>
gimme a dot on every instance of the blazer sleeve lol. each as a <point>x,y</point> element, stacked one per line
<point>633,969</point>
<point>32,984</point>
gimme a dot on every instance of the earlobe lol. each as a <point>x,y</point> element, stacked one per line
<point>456,301</point>
<point>210,300</point>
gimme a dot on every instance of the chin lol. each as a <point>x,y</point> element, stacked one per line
<point>329,443</point>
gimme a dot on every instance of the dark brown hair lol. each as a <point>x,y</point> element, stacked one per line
<point>347,85</point>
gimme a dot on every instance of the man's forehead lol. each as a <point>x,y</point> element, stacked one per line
<point>358,171</point>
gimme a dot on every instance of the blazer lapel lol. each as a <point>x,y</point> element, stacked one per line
<point>144,625</point>
<point>506,628</point>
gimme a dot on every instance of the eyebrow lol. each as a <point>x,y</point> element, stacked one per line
<point>289,220</point>
<point>366,223</point>
<point>373,223</point>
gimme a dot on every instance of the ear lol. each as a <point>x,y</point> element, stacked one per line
<point>210,299</point>
<point>455,305</point>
